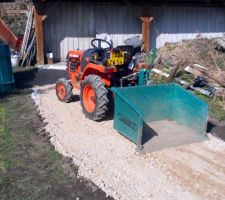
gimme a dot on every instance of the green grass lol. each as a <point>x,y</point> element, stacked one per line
<point>186,77</point>
<point>216,110</point>
<point>5,142</point>
<point>30,168</point>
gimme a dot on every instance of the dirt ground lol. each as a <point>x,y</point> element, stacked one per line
<point>195,171</point>
<point>30,168</point>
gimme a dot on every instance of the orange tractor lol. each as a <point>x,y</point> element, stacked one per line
<point>153,117</point>
<point>95,70</point>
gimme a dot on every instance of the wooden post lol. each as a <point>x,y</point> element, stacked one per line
<point>146,31</point>
<point>39,37</point>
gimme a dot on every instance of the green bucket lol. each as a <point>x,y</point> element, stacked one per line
<point>6,73</point>
<point>159,116</point>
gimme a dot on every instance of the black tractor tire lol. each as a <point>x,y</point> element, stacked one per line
<point>101,98</point>
<point>64,90</point>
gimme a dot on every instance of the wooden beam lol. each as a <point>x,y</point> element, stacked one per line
<point>39,37</point>
<point>146,34</point>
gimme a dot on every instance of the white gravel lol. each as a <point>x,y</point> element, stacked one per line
<point>195,171</point>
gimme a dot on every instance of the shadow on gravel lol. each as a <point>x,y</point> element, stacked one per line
<point>49,76</point>
<point>24,76</point>
<point>217,129</point>
<point>30,168</point>
<point>75,98</point>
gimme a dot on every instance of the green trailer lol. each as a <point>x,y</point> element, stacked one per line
<point>6,73</point>
<point>159,116</point>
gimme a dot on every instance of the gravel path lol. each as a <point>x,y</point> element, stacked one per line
<point>195,171</point>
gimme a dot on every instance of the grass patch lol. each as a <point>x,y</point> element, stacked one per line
<point>216,109</point>
<point>186,77</point>
<point>30,168</point>
<point>157,79</point>
<point>5,142</point>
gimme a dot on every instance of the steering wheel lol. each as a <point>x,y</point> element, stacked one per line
<point>99,44</point>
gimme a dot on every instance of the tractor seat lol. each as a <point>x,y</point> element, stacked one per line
<point>96,56</point>
<point>128,52</point>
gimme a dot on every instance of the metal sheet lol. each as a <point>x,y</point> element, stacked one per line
<point>177,116</point>
<point>6,73</point>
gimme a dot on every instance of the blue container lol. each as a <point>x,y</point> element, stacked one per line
<point>159,116</point>
<point>6,73</point>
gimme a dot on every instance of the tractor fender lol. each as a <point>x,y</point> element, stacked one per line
<point>98,70</point>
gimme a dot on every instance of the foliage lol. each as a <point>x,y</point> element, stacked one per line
<point>16,22</point>
<point>188,77</point>
<point>157,79</point>
<point>216,109</point>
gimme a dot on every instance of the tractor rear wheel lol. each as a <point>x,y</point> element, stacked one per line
<point>94,98</point>
<point>64,90</point>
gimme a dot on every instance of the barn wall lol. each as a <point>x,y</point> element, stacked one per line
<point>177,23</point>
<point>71,25</point>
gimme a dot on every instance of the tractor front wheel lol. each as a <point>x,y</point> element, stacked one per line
<point>64,90</point>
<point>94,98</point>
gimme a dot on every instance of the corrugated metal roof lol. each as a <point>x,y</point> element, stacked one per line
<point>152,2</point>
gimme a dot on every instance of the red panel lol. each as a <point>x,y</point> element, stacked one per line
<point>7,35</point>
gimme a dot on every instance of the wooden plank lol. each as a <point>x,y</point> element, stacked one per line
<point>39,37</point>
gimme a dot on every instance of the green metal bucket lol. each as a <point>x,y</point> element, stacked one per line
<point>159,116</point>
<point>6,74</point>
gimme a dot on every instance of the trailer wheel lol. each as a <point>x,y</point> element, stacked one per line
<point>64,90</point>
<point>94,98</point>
